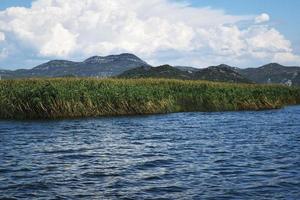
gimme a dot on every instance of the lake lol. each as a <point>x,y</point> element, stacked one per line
<point>225,155</point>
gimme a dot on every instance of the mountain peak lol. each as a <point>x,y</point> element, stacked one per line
<point>96,66</point>
<point>162,71</point>
<point>224,66</point>
<point>272,65</point>
<point>95,59</point>
<point>111,58</point>
<point>128,55</point>
<point>165,66</point>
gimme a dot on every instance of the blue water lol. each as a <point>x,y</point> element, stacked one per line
<point>230,155</point>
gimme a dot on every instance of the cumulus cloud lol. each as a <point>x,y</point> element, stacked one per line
<point>3,53</point>
<point>286,57</point>
<point>60,42</point>
<point>264,17</point>
<point>159,31</point>
<point>2,36</point>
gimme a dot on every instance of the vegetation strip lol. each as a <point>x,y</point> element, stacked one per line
<point>73,98</point>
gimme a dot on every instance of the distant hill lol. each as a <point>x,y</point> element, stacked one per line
<point>95,66</point>
<point>273,73</point>
<point>187,69</point>
<point>221,73</point>
<point>5,73</point>
<point>163,71</point>
<point>131,66</point>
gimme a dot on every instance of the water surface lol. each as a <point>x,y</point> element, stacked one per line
<point>227,155</point>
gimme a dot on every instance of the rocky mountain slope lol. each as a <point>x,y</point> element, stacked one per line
<point>221,73</point>
<point>131,66</point>
<point>163,71</point>
<point>273,73</point>
<point>92,67</point>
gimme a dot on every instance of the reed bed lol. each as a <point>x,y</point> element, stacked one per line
<point>79,97</point>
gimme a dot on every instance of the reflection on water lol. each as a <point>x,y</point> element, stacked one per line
<point>234,155</point>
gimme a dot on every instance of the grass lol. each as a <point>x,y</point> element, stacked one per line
<point>73,98</point>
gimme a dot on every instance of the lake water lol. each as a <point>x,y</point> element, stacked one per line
<point>227,155</point>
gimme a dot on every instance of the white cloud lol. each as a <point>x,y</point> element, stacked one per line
<point>60,42</point>
<point>157,30</point>
<point>3,53</point>
<point>2,37</point>
<point>223,40</point>
<point>264,17</point>
<point>265,39</point>
<point>286,57</point>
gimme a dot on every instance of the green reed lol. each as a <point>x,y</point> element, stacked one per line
<point>74,97</point>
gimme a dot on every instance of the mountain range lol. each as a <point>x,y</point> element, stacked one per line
<point>130,66</point>
<point>221,73</point>
<point>96,66</point>
<point>272,73</point>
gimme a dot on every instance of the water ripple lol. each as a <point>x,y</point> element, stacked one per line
<point>226,155</point>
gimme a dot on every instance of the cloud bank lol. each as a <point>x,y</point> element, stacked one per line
<point>159,31</point>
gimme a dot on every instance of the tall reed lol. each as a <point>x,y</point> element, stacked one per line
<point>72,97</point>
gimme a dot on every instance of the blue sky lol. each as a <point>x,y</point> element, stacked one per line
<point>18,49</point>
<point>9,3</point>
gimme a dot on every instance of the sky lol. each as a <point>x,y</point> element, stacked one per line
<point>198,33</point>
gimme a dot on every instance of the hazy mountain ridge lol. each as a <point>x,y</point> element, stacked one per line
<point>163,71</point>
<point>273,73</point>
<point>111,65</point>
<point>131,66</point>
<point>221,73</point>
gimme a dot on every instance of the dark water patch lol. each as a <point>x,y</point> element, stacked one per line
<point>99,174</point>
<point>26,186</point>
<point>75,157</point>
<point>165,189</point>
<point>155,163</point>
<point>15,170</point>
<point>153,178</point>
<point>65,151</point>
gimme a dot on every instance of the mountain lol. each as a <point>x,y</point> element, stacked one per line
<point>52,68</point>
<point>273,73</point>
<point>95,66</point>
<point>163,71</point>
<point>5,73</point>
<point>130,66</point>
<point>221,73</point>
<point>187,69</point>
